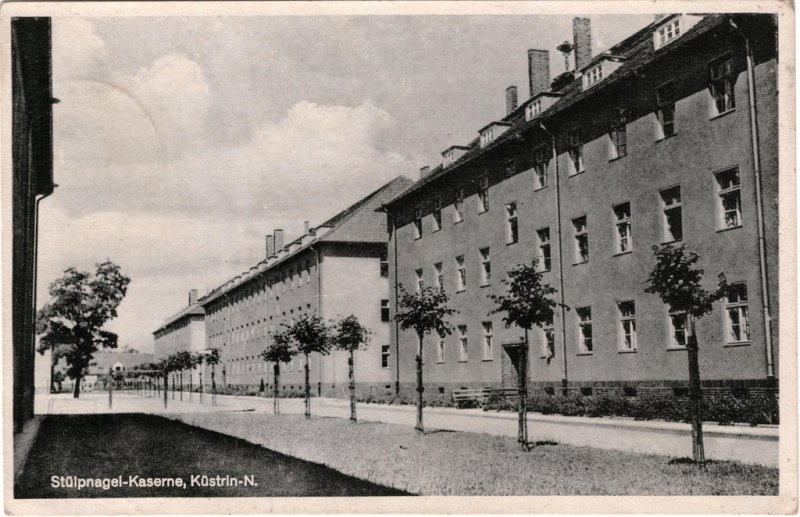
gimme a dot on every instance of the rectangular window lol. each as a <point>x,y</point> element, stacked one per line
<point>458,206</point>
<point>576,151</point>
<point>438,276</point>
<point>487,136</point>
<point>721,83</point>
<point>512,223</point>
<point>679,324</point>
<point>540,159</point>
<point>543,255</point>
<point>461,273</point>
<point>488,352</point>
<point>483,193</point>
<point>417,222</point>
<point>667,32</point>
<point>673,214</point>
<point>486,266</point>
<point>437,213</point>
<point>665,110</point>
<point>419,280</point>
<point>730,199</point>
<point>384,310</point>
<point>511,168</point>
<point>585,330</point>
<point>385,356</point>
<point>384,265</point>
<point>581,240</point>
<point>548,338</point>
<point>619,135</point>
<point>533,109</point>
<point>594,75</point>
<point>627,325</point>
<point>622,216</point>
<point>463,351</point>
<point>738,316</point>
<point>440,343</point>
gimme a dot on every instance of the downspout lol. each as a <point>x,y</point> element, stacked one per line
<point>762,254</point>
<point>560,264</point>
<point>396,324</point>
<point>35,282</point>
<point>319,312</point>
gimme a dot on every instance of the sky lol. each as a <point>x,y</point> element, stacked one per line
<point>180,142</point>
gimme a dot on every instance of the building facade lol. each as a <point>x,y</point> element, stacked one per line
<point>670,137</point>
<point>182,332</point>
<point>334,270</point>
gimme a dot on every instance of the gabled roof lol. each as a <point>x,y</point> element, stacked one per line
<point>193,310</point>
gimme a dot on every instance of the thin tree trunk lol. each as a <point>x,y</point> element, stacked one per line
<point>173,386</point>
<point>352,387</point>
<point>180,377</point>
<point>308,389</point>
<point>202,388</point>
<point>191,384</point>
<point>522,398</point>
<point>52,368</point>
<point>695,395</point>
<point>166,385</point>
<point>77,389</point>
<point>419,427</point>
<point>276,369</point>
<point>110,388</point>
<point>213,387</point>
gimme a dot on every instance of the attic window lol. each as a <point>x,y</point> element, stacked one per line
<point>487,136</point>
<point>449,158</point>
<point>533,109</point>
<point>594,75</point>
<point>667,32</point>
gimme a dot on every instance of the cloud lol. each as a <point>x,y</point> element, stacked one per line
<point>86,57</point>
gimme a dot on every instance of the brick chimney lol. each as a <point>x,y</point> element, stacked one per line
<point>192,296</point>
<point>306,227</point>
<point>270,246</point>
<point>511,99</point>
<point>538,71</point>
<point>582,35</point>
<point>424,171</point>
<point>278,238</point>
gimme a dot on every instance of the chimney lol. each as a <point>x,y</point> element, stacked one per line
<point>582,35</point>
<point>511,99</point>
<point>278,239</point>
<point>305,227</point>
<point>270,246</point>
<point>192,296</point>
<point>424,171</point>
<point>538,71</point>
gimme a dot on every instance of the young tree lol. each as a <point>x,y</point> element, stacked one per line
<point>424,312</point>
<point>526,304</point>
<point>81,304</point>
<point>279,351</point>
<point>350,335</point>
<point>677,282</point>
<point>212,359</point>
<point>310,334</point>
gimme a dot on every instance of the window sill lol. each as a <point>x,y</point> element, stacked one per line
<point>485,285</point>
<point>511,243</point>
<point>622,253</point>
<point>580,263</point>
<point>729,228</point>
<point>487,360</point>
<point>676,349</point>
<point>667,243</point>
<point>573,174</point>
<point>537,189</point>
<point>627,351</point>
<point>463,361</point>
<point>584,353</point>
<point>459,221</point>
<point>439,362</point>
<point>436,230</point>
<point>666,137</point>
<point>460,290</point>
<point>736,344</point>
<point>415,238</point>
<point>543,271</point>
<point>482,211</point>
<point>617,158</point>
<point>720,115</point>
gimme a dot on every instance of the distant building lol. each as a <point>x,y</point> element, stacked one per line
<point>336,269</point>
<point>670,137</point>
<point>184,331</point>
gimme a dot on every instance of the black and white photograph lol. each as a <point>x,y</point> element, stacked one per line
<point>291,257</point>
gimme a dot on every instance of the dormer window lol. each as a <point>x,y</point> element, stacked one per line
<point>487,135</point>
<point>594,75</point>
<point>448,159</point>
<point>452,154</point>
<point>492,131</point>
<point>673,28</point>
<point>533,109</point>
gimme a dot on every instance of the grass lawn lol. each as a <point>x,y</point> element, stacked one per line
<point>108,446</point>
<point>456,463</point>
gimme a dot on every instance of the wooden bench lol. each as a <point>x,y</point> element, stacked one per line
<point>478,395</point>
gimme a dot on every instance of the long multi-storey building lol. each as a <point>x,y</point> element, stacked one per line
<point>337,269</point>
<point>184,331</point>
<point>669,137</point>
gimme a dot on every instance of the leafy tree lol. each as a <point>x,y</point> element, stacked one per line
<point>309,334</point>
<point>677,282</point>
<point>526,304</point>
<point>350,335</point>
<point>424,312</point>
<point>184,360</point>
<point>279,351</point>
<point>81,304</point>
<point>212,359</point>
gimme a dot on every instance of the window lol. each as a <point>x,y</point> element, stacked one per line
<point>576,151</point>
<point>417,222</point>
<point>512,223</point>
<point>540,159</point>
<point>384,265</point>
<point>543,254</point>
<point>487,135</point>
<point>594,75</point>
<point>461,273</point>
<point>385,310</point>
<point>585,344</point>
<point>548,338</point>
<point>458,206</point>
<point>665,110</point>
<point>308,272</point>
<point>730,199</point>
<point>487,341</point>
<point>581,240</point>
<point>511,168</point>
<point>449,158</point>
<point>673,216</point>
<point>721,82</point>
<point>483,193</point>
<point>619,135</point>
<point>486,266</point>
<point>627,325</point>
<point>440,348</point>
<point>533,109</point>
<point>438,277</point>
<point>463,355</point>
<point>385,356</point>
<point>437,213</point>
<point>667,32</point>
<point>738,318</point>
<point>622,216</point>
<point>678,323</point>
<point>419,280</point>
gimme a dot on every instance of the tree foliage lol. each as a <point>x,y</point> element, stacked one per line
<point>280,349</point>
<point>310,334</point>
<point>527,301</point>
<point>424,311</point>
<point>349,334</point>
<point>81,304</point>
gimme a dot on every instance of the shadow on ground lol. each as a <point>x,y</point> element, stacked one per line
<point>124,446</point>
